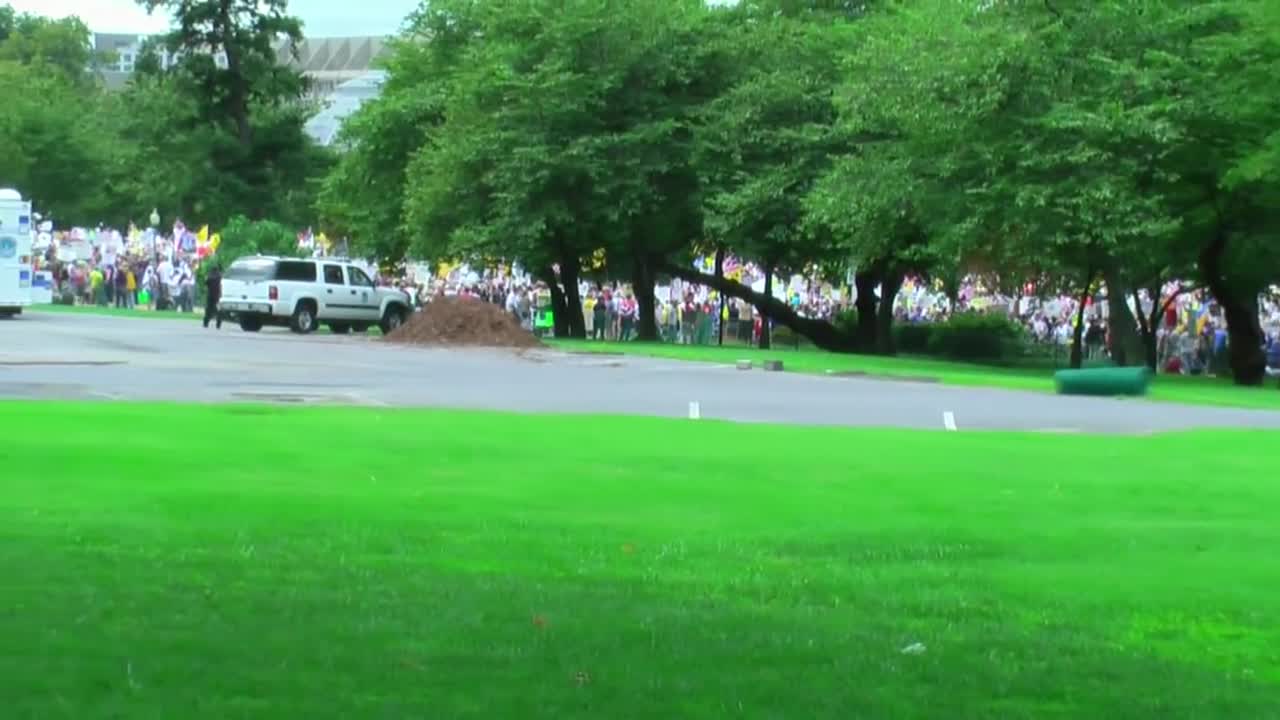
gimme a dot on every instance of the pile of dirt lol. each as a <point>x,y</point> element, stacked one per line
<point>463,321</point>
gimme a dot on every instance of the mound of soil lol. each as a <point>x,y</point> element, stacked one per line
<point>463,321</point>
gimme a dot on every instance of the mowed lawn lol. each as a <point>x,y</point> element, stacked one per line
<point>1167,388</point>
<point>245,562</point>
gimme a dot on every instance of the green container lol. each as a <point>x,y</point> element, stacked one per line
<point>1103,381</point>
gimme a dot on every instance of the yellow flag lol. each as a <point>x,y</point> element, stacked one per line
<point>214,241</point>
<point>323,241</point>
<point>202,237</point>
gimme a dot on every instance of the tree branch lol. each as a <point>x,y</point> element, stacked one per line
<point>820,332</point>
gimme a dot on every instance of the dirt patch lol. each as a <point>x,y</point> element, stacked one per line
<point>463,322</point>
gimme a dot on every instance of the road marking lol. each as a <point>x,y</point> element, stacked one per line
<point>949,420</point>
<point>105,395</point>
<point>695,411</point>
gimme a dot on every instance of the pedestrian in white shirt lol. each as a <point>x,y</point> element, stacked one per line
<point>186,287</point>
<point>168,287</point>
<point>151,283</point>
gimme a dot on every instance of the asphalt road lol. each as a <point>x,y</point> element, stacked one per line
<point>48,355</point>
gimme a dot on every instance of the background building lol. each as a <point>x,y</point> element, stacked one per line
<point>342,71</point>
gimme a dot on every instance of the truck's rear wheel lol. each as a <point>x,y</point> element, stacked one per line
<point>250,324</point>
<point>304,318</point>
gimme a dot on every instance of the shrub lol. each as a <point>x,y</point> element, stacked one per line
<point>913,338</point>
<point>978,337</point>
<point>846,321</point>
<point>784,336</point>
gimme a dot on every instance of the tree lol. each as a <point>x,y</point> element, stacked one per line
<point>762,144</point>
<point>59,46</point>
<point>919,83</point>
<point>50,145</point>
<point>242,236</point>
<point>566,130</point>
<point>363,196</point>
<point>247,108</point>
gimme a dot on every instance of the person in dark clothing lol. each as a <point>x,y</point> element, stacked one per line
<point>213,293</point>
<point>599,318</point>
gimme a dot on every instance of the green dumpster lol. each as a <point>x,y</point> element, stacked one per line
<point>1103,381</point>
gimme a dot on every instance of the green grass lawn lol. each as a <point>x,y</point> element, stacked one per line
<point>1170,388</point>
<point>224,561</point>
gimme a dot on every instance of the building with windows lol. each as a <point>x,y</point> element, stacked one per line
<point>342,71</point>
<point>122,51</point>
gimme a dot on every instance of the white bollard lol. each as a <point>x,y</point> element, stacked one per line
<point>695,411</point>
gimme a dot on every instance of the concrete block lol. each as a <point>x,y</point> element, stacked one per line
<point>773,366</point>
<point>744,364</point>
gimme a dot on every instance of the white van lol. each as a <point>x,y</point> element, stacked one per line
<point>15,253</point>
<point>302,293</point>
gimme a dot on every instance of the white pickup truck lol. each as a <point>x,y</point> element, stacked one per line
<point>303,293</point>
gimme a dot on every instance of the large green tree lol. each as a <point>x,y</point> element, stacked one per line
<point>241,108</point>
<point>566,130</point>
<point>763,141</point>
<point>56,145</point>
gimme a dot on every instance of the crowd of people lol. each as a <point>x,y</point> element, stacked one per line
<point>1191,333</point>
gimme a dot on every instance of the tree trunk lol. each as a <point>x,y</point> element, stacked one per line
<point>559,314</point>
<point>951,286</point>
<point>720,311</point>
<point>1149,327</point>
<point>1077,335</point>
<point>820,332</point>
<point>576,323</point>
<point>642,276</point>
<point>1126,347</point>
<point>1244,332</point>
<point>237,102</point>
<point>766,336</point>
<point>864,339</point>
<point>889,287</point>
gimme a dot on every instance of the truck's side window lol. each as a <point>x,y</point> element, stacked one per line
<point>333,275</point>
<point>358,277</point>
<point>296,270</point>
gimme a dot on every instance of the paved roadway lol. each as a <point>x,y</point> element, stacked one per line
<point>50,355</point>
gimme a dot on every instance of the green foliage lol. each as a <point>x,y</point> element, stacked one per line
<point>363,196</point>
<point>768,136</point>
<point>242,236</point>
<point>198,141</point>
<point>549,150</point>
<point>58,47</point>
<point>979,337</point>
<point>847,321</point>
<point>913,338</point>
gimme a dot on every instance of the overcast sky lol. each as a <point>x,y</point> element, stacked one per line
<point>323,18</point>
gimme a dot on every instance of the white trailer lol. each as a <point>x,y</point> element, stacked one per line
<point>15,253</point>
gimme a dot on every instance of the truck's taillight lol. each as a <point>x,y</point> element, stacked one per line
<point>273,293</point>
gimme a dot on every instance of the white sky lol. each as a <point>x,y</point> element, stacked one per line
<point>322,18</point>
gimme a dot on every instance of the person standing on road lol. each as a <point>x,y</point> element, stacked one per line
<point>213,293</point>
